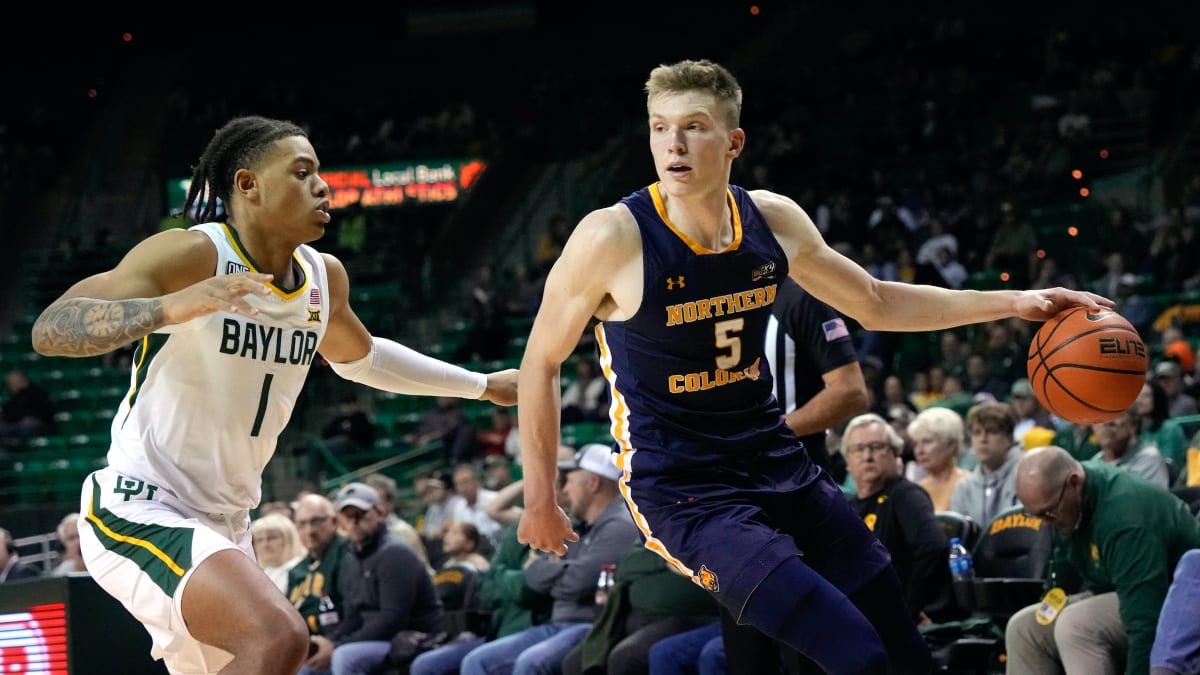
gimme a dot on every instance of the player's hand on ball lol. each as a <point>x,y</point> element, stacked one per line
<point>1041,305</point>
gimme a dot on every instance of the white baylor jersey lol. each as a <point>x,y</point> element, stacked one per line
<point>208,398</point>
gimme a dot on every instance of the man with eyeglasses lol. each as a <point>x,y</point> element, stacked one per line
<point>385,588</point>
<point>312,583</point>
<point>1120,538</point>
<point>897,510</point>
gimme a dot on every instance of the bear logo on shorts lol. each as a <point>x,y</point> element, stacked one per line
<point>708,579</point>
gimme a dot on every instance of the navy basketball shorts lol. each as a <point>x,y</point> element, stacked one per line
<point>728,526</point>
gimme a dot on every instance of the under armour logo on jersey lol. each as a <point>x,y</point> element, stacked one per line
<point>761,272</point>
<point>677,282</point>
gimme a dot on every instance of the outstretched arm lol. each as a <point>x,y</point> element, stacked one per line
<point>576,289</point>
<point>895,306</point>
<point>377,362</point>
<point>166,279</point>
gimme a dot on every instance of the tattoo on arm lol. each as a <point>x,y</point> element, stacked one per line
<point>85,327</point>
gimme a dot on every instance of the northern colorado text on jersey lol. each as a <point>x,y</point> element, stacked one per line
<point>720,305</point>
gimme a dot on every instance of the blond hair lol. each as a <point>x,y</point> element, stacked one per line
<point>281,524</point>
<point>702,75</point>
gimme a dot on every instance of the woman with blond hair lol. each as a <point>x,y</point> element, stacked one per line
<point>277,546</point>
<point>68,538</point>
<point>938,439</point>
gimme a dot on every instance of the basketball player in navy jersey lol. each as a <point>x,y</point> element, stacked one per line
<point>681,276</point>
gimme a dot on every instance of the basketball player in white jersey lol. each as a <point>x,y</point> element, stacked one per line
<point>227,316</point>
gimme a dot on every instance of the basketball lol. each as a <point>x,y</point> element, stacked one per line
<point>1087,367</point>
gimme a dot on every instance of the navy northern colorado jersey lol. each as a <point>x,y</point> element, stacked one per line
<point>688,366</point>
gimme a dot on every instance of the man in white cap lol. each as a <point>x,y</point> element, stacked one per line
<point>385,588</point>
<point>591,492</point>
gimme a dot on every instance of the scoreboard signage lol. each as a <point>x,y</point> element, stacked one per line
<point>380,185</point>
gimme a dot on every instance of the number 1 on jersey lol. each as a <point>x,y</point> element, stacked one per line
<point>262,404</point>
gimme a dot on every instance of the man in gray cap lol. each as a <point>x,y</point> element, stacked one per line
<point>592,496</point>
<point>385,588</point>
<point>1170,376</point>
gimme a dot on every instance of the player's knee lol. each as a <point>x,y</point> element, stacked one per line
<point>285,635</point>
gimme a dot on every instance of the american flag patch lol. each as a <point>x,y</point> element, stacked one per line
<point>834,329</point>
<point>314,296</point>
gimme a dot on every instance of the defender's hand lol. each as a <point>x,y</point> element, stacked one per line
<point>225,293</point>
<point>501,387</point>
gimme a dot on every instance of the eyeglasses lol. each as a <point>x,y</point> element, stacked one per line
<point>864,448</point>
<point>315,521</point>
<point>1051,512</point>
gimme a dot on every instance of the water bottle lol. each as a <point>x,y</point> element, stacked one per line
<point>604,582</point>
<point>962,568</point>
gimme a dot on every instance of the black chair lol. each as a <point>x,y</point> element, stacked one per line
<point>959,525</point>
<point>1011,560</point>
<point>1190,496</point>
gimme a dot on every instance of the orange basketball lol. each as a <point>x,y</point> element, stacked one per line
<point>1087,367</point>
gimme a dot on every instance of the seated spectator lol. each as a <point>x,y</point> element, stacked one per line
<point>1176,649</point>
<point>937,436</point>
<point>350,430</point>
<point>435,492</point>
<point>585,399</point>
<point>470,505</point>
<point>895,394</point>
<point>447,424</point>
<point>898,511</point>
<point>1077,439</point>
<point>312,583</point>
<point>398,527</point>
<point>440,501</point>
<point>991,487</point>
<point>458,575</point>
<point>493,441</point>
<point>28,410</point>
<point>648,601</point>
<point>11,567</point>
<point>1120,539</point>
<point>931,389</point>
<point>68,538</point>
<point>1121,447</point>
<point>277,547</point>
<point>1153,410</point>
<point>607,530</point>
<point>497,472</point>
<point>1029,411</point>
<point>1170,376</point>
<point>503,593</point>
<point>384,589</point>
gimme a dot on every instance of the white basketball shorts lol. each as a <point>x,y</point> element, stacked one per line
<point>140,543</point>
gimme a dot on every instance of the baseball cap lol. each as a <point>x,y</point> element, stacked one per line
<point>596,458</point>
<point>1021,388</point>
<point>1168,369</point>
<point>358,495</point>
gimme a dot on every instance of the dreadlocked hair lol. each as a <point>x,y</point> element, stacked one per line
<point>240,144</point>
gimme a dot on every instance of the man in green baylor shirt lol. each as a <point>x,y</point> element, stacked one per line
<point>312,586</point>
<point>1120,538</point>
